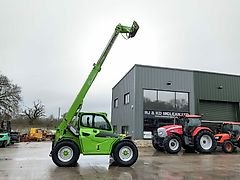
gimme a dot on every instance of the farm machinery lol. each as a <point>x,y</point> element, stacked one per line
<point>229,136</point>
<point>188,134</point>
<point>90,133</point>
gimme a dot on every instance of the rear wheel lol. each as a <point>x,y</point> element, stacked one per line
<point>65,154</point>
<point>125,153</point>
<point>205,142</point>
<point>228,147</point>
<point>172,144</point>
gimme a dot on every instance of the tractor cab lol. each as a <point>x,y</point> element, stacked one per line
<point>190,123</point>
<point>232,128</point>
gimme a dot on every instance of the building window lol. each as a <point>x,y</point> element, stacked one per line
<point>162,107</point>
<point>114,128</point>
<point>126,98</point>
<point>182,104</point>
<point>150,100</point>
<point>170,101</point>
<point>115,105</point>
<point>125,130</point>
<point>166,100</point>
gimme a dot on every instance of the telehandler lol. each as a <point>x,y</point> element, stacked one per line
<point>91,133</point>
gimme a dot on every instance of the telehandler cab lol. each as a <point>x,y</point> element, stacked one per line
<point>91,133</point>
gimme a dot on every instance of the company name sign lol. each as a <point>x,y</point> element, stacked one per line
<point>164,113</point>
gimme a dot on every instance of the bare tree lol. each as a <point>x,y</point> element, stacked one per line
<point>35,112</point>
<point>9,97</point>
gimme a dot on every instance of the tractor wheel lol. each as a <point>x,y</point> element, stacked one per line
<point>125,153</point>
<point>205,142</point>
<point>157,147</point>
<point>65,154</point>
<point>228,147</point>
<point>172,144</point>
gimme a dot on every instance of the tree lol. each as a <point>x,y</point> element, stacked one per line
<point>9,97</point>
<point>35,112</point>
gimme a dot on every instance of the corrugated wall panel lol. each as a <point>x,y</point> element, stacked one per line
<point>218,111</point>
<point>123,115</point>
<point>219,88</point>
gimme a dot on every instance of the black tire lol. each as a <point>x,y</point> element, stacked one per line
<point>125,147</point>
<point>172,144</point>
<point>228,147</point>
<point>201,142</point>
<point>157,146</point>
<point>72,155</point>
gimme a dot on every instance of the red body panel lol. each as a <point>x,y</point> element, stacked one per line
<point>234,123</point>
<point>170,129</point>
<point>198,129</point>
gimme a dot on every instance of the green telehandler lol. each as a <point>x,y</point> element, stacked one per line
<point>90,133</point>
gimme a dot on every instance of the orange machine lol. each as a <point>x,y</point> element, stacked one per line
<point>229,136</point>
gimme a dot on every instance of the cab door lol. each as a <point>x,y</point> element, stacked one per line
<point>96,135</point>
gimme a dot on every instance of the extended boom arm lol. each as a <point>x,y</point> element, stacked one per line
<point>77,104</point>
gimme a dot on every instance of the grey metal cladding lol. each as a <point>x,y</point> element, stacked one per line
<point>217,87</point>
<point>123,115</point>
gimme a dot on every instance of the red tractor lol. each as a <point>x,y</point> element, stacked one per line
<point>189,134</point>
<point>229,136</point>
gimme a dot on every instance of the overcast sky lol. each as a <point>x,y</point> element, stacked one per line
<point>48,47</point>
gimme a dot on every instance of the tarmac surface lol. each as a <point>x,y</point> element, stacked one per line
<point>31,161</point>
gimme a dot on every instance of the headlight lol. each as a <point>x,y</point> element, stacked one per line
<point>161,132</point>
<point>217,137</point>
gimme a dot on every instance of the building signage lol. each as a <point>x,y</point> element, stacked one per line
<point>164,113</point>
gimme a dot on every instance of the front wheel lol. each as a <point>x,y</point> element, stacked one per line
<point>172,144</point>
<point>157,146</point>
<point>205,142</point>
<point>228,147</point>
<point>65,154</point>
<point>125,153</point>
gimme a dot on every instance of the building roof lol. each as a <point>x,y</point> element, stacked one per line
<point>178,69</point>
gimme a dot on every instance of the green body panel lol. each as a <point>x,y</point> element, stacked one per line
<point>91,144</point>
<point>4,137</point>
<point>71,129</point>
<point>96,145</point>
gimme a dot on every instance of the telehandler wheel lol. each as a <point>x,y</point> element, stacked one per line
<point>172,144</point>
<point>65,154</point>
<point>205,142</point>
<point>157,147</point>
<point>228,147</point>
<point>125,153</point>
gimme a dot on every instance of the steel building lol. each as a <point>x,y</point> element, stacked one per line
<point>148,97</point>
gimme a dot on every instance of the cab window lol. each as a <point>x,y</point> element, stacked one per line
<point>87,120</point>
<point>101,123</point>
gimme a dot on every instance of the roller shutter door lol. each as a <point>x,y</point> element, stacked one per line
<point>218,111</point>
